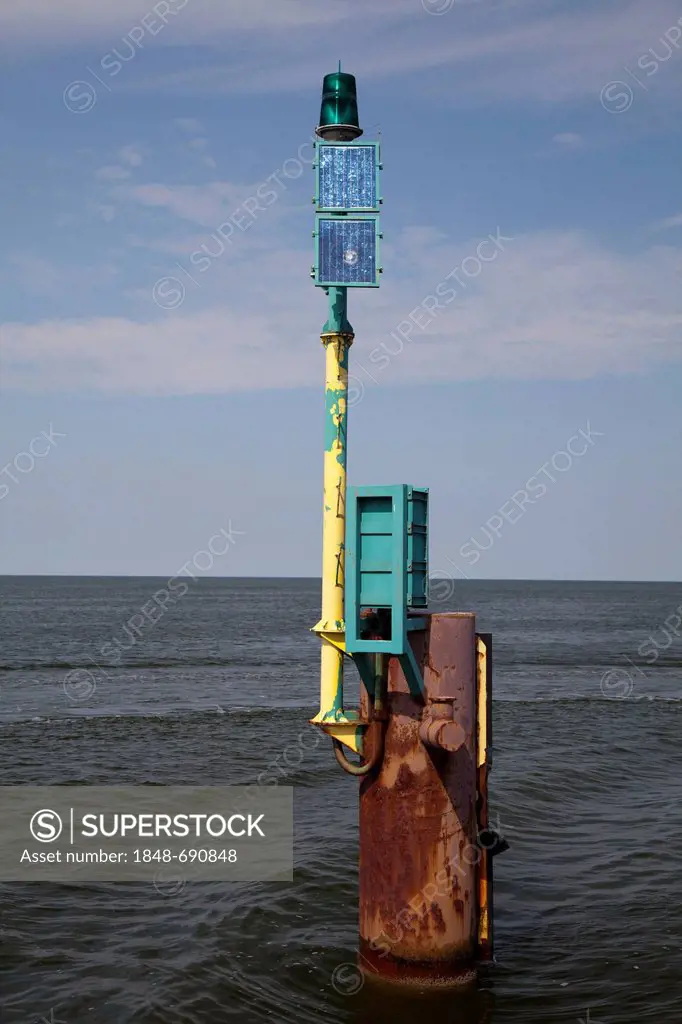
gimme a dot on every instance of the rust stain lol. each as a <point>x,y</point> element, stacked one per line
<point>438,919</point>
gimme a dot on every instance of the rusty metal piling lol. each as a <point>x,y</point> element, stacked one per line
<point>419,856</point>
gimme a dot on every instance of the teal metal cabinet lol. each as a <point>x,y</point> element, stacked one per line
<point>386,561</point>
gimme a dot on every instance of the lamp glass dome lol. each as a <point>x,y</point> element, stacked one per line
<point>339,120</point>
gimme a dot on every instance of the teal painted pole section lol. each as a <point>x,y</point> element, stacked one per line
<point>335,424</point>
<point>338,308</point>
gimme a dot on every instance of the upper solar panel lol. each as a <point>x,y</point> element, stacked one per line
<point>347,176</point>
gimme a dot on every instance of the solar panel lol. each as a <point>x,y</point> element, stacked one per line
<point>347,177</point>
<point>347,251</point>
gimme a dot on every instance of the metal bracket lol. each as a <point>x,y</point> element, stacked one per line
<point>412,673</point>
<point>365,670</point>
<point>413,623</point>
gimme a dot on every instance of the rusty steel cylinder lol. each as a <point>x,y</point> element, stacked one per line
<point>418,826</point>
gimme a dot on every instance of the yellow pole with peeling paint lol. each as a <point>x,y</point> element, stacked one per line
<point>337,337</point>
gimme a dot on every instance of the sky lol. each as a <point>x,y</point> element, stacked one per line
<point>162,373</point>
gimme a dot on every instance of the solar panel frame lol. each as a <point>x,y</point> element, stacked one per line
<point>325,199</point>
<point>331,267</point>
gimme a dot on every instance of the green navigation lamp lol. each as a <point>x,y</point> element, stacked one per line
<point>339,112</point>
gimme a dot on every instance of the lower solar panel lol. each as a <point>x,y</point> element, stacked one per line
<point>347,251</point>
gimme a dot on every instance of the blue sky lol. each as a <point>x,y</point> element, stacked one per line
<point>188,387</point>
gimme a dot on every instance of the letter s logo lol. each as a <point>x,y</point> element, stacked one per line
<point>46,826</point>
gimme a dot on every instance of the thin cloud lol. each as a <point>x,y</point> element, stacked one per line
<point>37,23</point>
<point>541,51</point>
<point>191,125</point>
<point>130,155</point>
<point>544,53</point>
<point>201,204</point>
<point>112,172</point>
<point>668,222</point>
<point>568,140</point>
